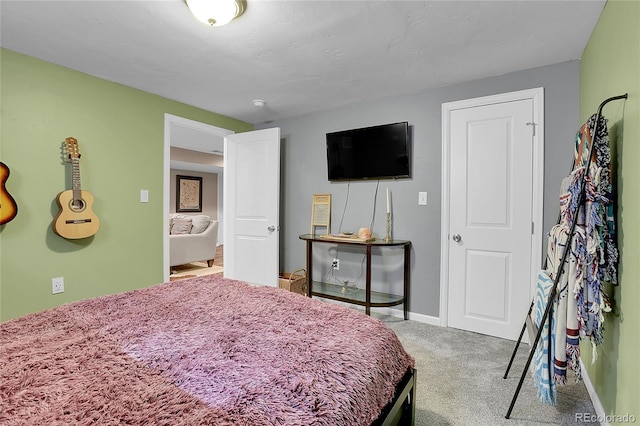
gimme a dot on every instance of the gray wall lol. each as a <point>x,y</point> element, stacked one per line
<point>304,172</point>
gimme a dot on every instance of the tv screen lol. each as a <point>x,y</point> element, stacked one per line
<point>369,153</point>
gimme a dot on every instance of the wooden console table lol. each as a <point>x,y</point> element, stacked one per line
<point>363,297</point>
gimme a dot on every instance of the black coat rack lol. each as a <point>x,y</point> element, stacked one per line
<point>552,293</point>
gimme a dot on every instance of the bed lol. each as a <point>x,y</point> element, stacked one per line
<point>200,351</point>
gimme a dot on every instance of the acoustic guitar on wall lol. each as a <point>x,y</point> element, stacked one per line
<point>8,206</point>
<point>76,218</point>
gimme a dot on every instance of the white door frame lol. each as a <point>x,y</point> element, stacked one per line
<point>169,121</point>
<point>537,95</point>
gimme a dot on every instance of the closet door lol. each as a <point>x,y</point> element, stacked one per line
<point>490,217</point>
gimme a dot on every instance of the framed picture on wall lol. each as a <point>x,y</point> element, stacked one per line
<point>188,193</point>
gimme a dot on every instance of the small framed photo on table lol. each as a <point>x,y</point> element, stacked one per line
<point>188,193</point>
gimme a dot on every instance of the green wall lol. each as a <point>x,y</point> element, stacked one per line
<point>120,132</point>
<point>610,66</point>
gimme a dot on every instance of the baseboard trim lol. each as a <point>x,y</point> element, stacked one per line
<point>399,313</point>
<point>595,400</point>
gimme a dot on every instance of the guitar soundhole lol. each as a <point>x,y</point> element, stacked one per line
<point>77,205</point>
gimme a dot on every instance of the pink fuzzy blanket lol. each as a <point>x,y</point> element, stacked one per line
<point>195,352</point>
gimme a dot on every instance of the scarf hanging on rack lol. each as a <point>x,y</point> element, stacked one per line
<point>596,218</point>
<point>567,345</point>
<point>600,194</point>
<point>592,260</point>
<point>589,273</point>
<point>566,349</point>
<point>543,381</point>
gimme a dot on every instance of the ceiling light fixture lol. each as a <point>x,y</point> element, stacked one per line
<point>259,103</point>
<point>216,12</point>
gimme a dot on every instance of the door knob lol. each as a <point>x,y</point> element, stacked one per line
<point>456,237</point>
<point>271,228</point>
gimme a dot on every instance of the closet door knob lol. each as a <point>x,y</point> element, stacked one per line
<point>456,237</point>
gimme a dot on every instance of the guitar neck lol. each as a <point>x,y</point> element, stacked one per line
<point>75,178</point>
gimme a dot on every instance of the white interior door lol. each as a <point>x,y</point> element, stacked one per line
<point>251,208</point>
<point>491,218</point>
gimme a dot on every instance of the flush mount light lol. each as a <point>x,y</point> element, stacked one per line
<point>216,12</point>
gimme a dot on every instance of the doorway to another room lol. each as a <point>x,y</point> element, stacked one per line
<point>193,148</point>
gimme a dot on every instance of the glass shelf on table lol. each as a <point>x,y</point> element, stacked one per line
<point>354,295</point>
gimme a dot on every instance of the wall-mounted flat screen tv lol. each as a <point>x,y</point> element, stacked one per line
<point>369,153</point>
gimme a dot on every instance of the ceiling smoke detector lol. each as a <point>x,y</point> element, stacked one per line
<point>259,103</point>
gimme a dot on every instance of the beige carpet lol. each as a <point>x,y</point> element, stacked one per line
<point>199,268</point>
<point>180,277</point>
<point>460,381</point>
<point>194,269</point>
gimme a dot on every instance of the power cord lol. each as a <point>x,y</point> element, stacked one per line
<point>331,273</point>
<point>373,217</point>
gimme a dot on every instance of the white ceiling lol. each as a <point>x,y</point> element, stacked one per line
<point>299,56</point>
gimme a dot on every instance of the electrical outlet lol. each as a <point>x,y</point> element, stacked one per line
<point>57,285</point>
<point>335,264</point>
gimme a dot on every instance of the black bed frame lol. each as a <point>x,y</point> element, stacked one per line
<point>401,411</point>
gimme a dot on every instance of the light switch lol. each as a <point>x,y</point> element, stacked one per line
<point>144,195</point>
<point>422,198</point>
